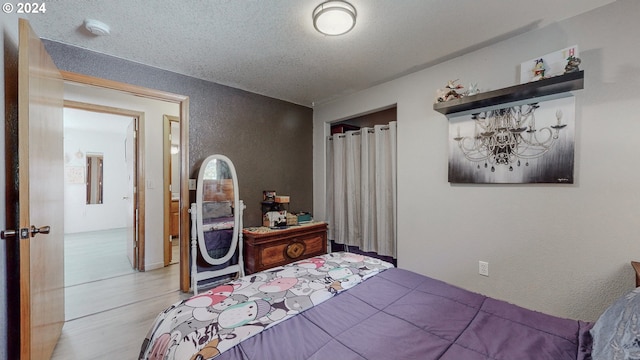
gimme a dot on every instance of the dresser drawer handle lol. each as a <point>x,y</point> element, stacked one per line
<point>295,250</point>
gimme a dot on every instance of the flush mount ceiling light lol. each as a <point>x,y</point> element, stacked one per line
<point>334,17</point>
<point>96,27</point>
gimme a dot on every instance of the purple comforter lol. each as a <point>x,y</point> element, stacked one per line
<point>399,314</point>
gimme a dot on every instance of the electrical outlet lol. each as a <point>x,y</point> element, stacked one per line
<point>483,268</point>
<point>192,184</point>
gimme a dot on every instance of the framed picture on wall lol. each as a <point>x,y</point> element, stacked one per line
<point>530,143</point>
<point>75,174</point>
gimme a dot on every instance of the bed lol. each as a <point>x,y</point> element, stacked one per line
<point>349,306</point>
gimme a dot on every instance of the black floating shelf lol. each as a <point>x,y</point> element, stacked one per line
<point>553,85</point>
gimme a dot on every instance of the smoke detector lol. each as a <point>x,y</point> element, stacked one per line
<point>96,27</point>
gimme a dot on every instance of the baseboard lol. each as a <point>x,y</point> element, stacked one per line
<point>154,266</point>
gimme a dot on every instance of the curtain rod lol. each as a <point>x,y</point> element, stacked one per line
<point>369,130</point>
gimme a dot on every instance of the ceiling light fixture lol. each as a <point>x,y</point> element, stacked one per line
<point>334,17</point>
<point>96,27</point>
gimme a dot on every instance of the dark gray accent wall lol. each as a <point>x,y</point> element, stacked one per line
<point>268,140</point>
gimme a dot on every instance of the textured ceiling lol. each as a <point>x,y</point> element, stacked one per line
<point>270,47</point>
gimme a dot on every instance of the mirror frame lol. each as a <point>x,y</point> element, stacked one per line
<point>236,212</point>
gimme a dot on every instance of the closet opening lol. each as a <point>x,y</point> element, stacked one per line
<point>361,184</point>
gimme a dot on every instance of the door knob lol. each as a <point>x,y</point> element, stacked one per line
<point>40,230</point>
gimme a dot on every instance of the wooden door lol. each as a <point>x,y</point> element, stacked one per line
<point>132,205</point>
<point>40,197</point>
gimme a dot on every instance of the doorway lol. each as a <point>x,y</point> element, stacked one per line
<point>366,142</point>
<point>149,252</point>
<point>99,193</point>
<point>104,248</point>
<point>171,157</point>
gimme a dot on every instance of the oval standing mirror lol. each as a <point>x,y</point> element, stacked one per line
<point>216,200</point>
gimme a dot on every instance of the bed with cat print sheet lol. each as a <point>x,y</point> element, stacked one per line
<point>348,306</point>
<point>210,323</point>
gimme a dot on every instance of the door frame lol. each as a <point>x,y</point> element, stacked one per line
<point>139,193</point>
<point>167,175</point>
<point>183,102</point>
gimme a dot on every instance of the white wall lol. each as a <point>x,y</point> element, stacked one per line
<point>560,249</point>
<point>153,164</point>
<point>110,142</point>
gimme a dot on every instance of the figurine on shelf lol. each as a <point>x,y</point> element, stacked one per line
<point>573,64</point>
<point>538,70</point>
<point>450,92</point>
<point>472,89</point>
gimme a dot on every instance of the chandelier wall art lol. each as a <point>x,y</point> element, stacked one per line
<point>529,143</point>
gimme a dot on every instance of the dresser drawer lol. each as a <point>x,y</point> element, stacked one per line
<point>291,250</point>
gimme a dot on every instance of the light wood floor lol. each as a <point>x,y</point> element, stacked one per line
<point>108,318</point>
<point>95,255</point>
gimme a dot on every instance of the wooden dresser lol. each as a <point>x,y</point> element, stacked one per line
<point>265,248</point>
